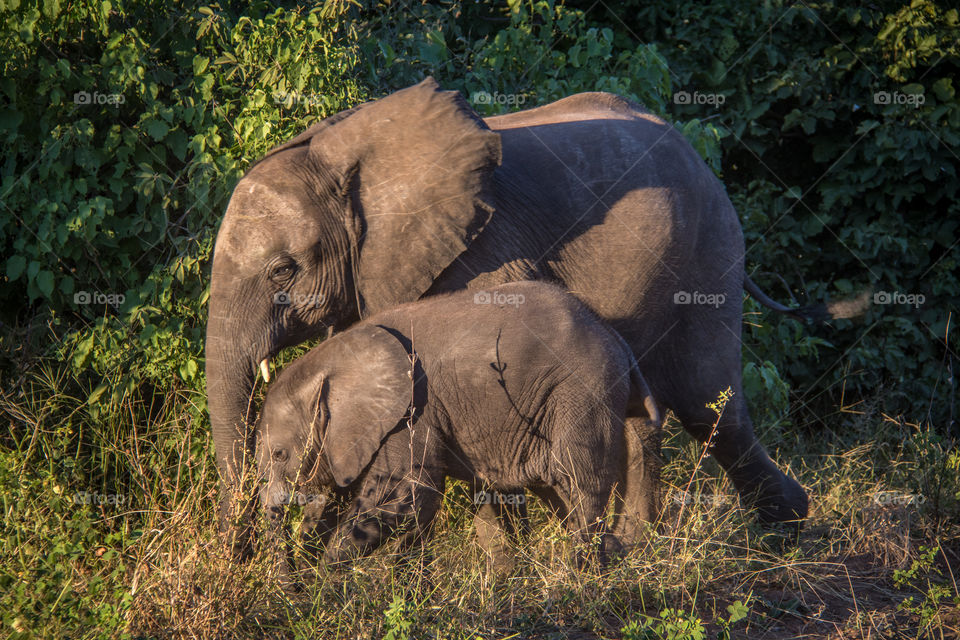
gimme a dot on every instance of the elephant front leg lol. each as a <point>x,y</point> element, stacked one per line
<point>320,520</point>
<point>386,507</point>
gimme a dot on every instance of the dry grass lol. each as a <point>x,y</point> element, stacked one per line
<point>154,567</point>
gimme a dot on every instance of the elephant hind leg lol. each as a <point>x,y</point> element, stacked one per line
<point>637,495</point>
<point>777,497</point>
<point>579,497</point>
<point>583,510</point>
<point>500,523</point>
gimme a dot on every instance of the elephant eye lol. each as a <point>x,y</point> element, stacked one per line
<point>279,455</point>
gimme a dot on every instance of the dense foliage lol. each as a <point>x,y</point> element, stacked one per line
<point>842,159</point>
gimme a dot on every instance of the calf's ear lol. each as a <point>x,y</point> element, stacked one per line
<point>367,391</point>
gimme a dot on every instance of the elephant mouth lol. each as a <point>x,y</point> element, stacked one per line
<point>264,365</point>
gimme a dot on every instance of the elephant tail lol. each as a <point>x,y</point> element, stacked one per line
<point>641,400</point>
<point>816,313</point>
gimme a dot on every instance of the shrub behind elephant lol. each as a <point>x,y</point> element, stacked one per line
<point>518,388</point>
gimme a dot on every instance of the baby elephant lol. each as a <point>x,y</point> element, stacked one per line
<point>522,387</point>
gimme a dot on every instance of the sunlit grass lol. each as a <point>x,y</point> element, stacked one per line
<point>151,564</point>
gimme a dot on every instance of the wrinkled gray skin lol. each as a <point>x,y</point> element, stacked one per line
<point>413,195</point>
<point>531,394</point>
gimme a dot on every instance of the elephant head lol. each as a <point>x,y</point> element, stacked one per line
<point>325,418</point>
<point>361,212</point>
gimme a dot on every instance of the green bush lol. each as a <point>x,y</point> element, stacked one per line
<point>122,144</point>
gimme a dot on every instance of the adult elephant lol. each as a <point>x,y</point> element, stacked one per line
<point>415,194</point>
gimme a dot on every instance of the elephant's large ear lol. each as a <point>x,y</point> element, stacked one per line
<point>421,164</point>
<point>367,390</point>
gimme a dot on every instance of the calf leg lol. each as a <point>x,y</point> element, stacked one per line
<point>501,521</point>
<point>391,502</point>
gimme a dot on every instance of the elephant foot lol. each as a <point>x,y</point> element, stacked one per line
<point>608,551</point>
<point>782,510</point>
<point>496,545</point>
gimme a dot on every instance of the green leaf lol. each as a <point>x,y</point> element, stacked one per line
<point>45,283</point>
<point>15,267</point>
<point>913,89</point>
<point>177,141</point>
<point>157,129</point>
<point>10,119</point>
<point>943,88</point>
<point>200,64</point>
<point>97,392</point>
<point>82,352</point>
<point>51,9</point>
<point>738,611</point>
<point>188,370</point>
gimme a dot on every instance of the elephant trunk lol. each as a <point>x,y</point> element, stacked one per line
<point>274,497</point>
<point>230,377</point>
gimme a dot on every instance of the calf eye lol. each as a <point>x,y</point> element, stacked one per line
<point>279,455</point>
